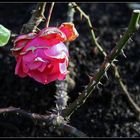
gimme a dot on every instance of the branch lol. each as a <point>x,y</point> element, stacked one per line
<point>29,115</point>
<point>132,28</point>
<point>50,13</point>
<point>49,119</point>
<point>94,39</point>
<point>36,18</point>
<point>131,103</point>
<point>62,86</point>
<point>61,96</point>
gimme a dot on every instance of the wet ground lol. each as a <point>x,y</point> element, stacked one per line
<point>105,113</point>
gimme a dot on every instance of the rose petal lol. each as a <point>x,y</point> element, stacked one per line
<point>57,52</point>
<point>38,76</point>
<point>53,35</point>
<point>62,76</point>
<point>25,37</point>
<point>69,30</point>
<point>63,67</point>
<point>42,67</point>
<point>18,69</point>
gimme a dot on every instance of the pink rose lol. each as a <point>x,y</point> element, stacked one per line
<point>43,56</point>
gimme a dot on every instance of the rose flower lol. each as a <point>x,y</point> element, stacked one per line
<point>43,56</point>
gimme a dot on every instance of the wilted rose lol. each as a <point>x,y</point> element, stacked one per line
<point>44,56</point>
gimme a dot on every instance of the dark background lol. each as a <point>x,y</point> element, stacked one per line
<point>105,113</point>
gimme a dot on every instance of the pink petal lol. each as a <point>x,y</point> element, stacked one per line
<point>62,76</point>
<point>52,35</point>
<point>19,68</point>
<point>24,37</point>
<point>38,76</point>
<point>69,30</point>
<point>57,52</point>
<point>42,67</point>
<point>63,67</point>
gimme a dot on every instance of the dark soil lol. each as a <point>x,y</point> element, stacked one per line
<point>105,113</point>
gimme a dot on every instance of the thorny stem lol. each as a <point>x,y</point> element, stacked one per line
<point>50,13</point>
<point>61,96</point>
<point>62,90</point>
<point>49,119</point>
<point>62,86</point>
<point>132,27</point>
<point>35,20</point>
<point>132,104</point>
<point>94,39</point>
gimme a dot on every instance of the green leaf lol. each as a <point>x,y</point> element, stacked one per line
<point>4,35</point>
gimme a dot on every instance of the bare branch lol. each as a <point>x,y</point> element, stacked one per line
<point>36,18</point>
<point>29,115</point>
<point>49,119</point>
<point>50,13</point>
<point>94,39</point>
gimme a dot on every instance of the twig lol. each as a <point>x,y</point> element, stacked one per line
<point>50,119</point>
<point>94,39</point>
<point>132,28</point>
<point>36,19</point>
<point>50,13</point>
<point>29,115</point>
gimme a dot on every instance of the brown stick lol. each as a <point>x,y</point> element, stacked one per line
<point>46,118</point>
<point>50,13</point>
<point>29,115</point>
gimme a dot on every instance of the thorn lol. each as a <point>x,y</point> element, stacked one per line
<point>120,36</point>
<point>97,38</point>
<point>90,77</point>
<point>85,87</point>
<point>106,75</point>
<point>56,96</point>
<point>115,60</point>
<point>130,39</point>
<point>100,83</point>
<point>97,86</point>
<point>81,16</point>
<point>44,18</point>
<point>68,72</point>
<point>123,54</point>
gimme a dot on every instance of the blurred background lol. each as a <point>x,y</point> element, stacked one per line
<point>105,113</point>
